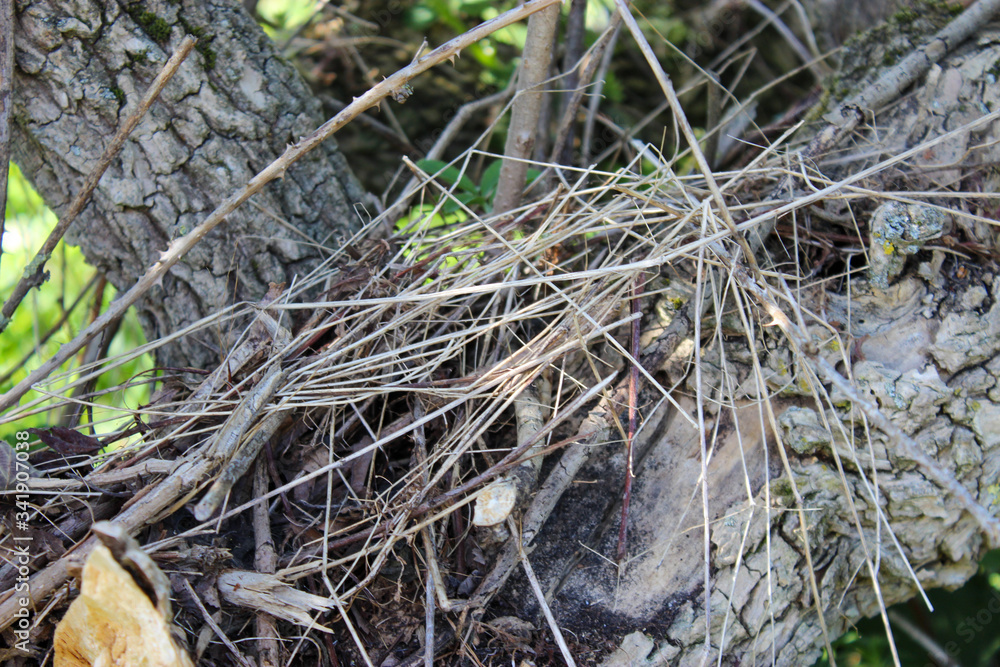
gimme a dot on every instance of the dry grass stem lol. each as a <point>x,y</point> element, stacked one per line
<point>540,596</point>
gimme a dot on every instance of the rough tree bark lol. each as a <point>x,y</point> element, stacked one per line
<point>925,348</point>
<point>231,109</point>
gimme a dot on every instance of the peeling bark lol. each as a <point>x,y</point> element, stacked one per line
<point>230,110</point>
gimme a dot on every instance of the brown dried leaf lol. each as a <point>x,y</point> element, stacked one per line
<point>66,441</point>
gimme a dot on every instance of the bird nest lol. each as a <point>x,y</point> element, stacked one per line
<point>370,460</point>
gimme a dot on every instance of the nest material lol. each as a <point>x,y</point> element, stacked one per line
<point>450,323</point>
<point>372,416</point>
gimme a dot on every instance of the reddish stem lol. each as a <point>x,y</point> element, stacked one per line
<point>633,415</point>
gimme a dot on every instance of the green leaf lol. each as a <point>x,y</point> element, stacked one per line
<point>488,183</point>
<point>447,174</point>
<point>454,203</point>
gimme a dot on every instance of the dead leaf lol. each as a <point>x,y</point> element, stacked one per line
<point>114,622</point>
<point>66,441</point>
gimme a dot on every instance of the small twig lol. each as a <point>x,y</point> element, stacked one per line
<point>180,246</point>
<point>685,127</point>
<point>317,10</point>
<point>810,60</point>
<point>527,109</point>
<point>34,271</point>
<point>633,415</point>
<point>95,351</point>
<point>226,444</point>
<point>212,624</point>
<point>503,496</point>
<point>6,91</point>
<point>366,71</point>
<point>699,273</point>
<point>266,562</point>
<point>713,98</point>
<point>351,629</point>
<point>536,588</point>
<point>448,134</point>
<point>429,587</point>
<point>378,126</point>
<point>434,583</point>
<point>562,146</point>
<point>934,650</point>
<point>587,137</point>
<point>573,43</point>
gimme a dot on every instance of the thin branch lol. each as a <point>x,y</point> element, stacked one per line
<point>448,134</point>
<point>596,94</point>
<point>574,34</point>
<point>818,67</point>
<point>685,127</point>
<point>265,562</point>
<point>935,651</point>
<point>527,109</point>
<point>540,596</point>
<point>633,414</point>
<point>212,624</point>
<point>562,146</point>
<point>429,587</point>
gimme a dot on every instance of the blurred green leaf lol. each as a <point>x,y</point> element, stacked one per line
<point>448,174</point>
<point>28,223</point>
<point>491,176</point>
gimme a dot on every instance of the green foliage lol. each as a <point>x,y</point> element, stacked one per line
<point>467,193</point>
<point>28,222</point>
<point>453,13</point>
<point>285,14</point>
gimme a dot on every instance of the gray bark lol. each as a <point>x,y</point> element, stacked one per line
<point>232,108</point>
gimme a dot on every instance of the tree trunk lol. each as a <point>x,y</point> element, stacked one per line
<point>925,348</point>
<point>233,106</point>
